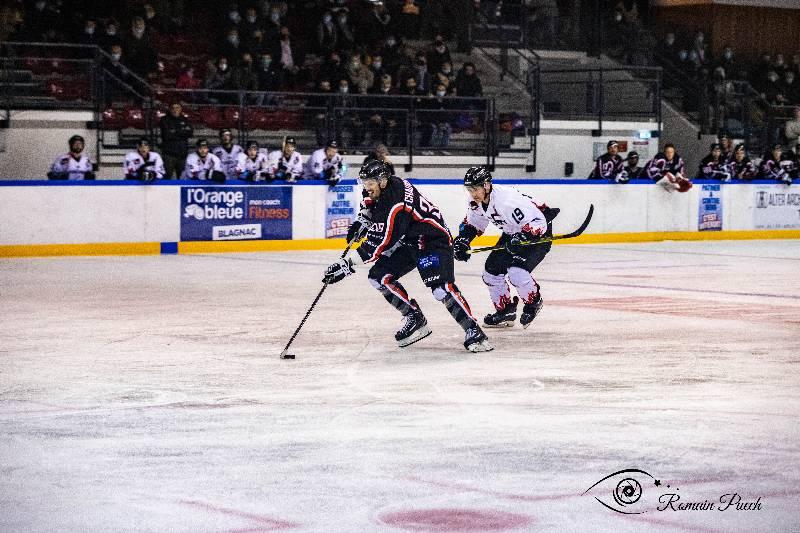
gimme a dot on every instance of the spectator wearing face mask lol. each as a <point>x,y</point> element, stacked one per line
<point>289,57</point>
<point>348,118</point>
<point>344,31</point>
<point>435,118</point>
<point>790,87</point>
<point>156,21</point>
<point>120,74</point>
<point>89,35</point>
<point>771,89</point>
<point>244,77</point>
<point>378,70</point>
<point>269,79</point>
<point>728,62</point>
<point>374,28</point>
<point>468,84</point>
<point>219,79</point>
<point>321,104</point>
<point>668,49</point>
<point>390,52</point>
<point>141,56</point>
<point>110,36</point>
<point>231,47</point>
<point>382,124</point>
<point>361,77</point>
<point>421,74</point>
<point>700,47</point>
<point>438,55</point>
<point>249,26</point>
<point>327,34</point>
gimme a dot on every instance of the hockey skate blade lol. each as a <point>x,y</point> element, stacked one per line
<point>507,324</point>
<point>418,335</point>
<point>482,346</point>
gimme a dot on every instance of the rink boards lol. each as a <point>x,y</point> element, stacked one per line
<point>124,218</point>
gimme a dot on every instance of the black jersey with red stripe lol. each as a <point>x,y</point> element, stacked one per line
<point>403,216</point>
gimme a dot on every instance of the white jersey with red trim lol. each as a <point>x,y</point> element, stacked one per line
<point>135,165</point>
<point>68,167</point>
<point>200,168</point>
<point>510,210</point>
<point>252,169</point>
<point>228,157</point>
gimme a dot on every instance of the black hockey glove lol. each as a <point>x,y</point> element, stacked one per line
<point>517,242</point>
<point>461,249</point>
<point>339,270</point>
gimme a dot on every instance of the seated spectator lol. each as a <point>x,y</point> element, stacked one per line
<point>792,127</point>
<point>332,70</point>
<point>110,36</point>
<point>143,164</point>
<point>468,84</point>
<point>89,36</point>
<point>186,80</point>
<point>175,134</point>
<point>203,165</point>
<point>228,153</point>
<point>408,21</point>
<point>446,77</point>
<point>713,165</point>
<point>347,118</point>
<point>74,165</point>
<point>775,165</point>
<point>374,28</point>
<point>244,77</point>
<point>771,89</point>
<point>327,34</point>
<point>632,169</point>
<point>740,166</point>
<point>232,46</point>
<point>790,87</point>
<point>360,76</point>
<point>154,20</point>
<point>219,79</point>
<point>392,56</point>
<point>269,78</point>
<point>421,74</point>
<point>378,70</point>
<point>326,164</point>
<point>346,39</point>
<point>285,164</point>
<point>383,124</point>
<point>289,57</point>
<point>609,165</point>
<point>249,27</point>
<point>140,55</point>
<point>668,170</point>
<point>252,165</point>
<point>668,49</point>
<point>438,55</point>
<point>779,65</point>
<point>322,107</point>
<point>436,128</point>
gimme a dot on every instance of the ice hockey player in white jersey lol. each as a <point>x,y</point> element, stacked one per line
<point>285,164</point>
<point>143,164</point>
<point>252,164</point>
<point>326,164</point>
<point>203,165</point>
<point>74,165</point>
<point>228,153</point>
<point>522,220</point>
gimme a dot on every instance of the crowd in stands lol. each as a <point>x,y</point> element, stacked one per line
<point>725,162</point>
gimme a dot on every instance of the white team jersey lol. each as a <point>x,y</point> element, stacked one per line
<point>228,159</point>
<point>134,162</point>
<point>319,163</point>
<point>293,167</point>
<point>200,169</point>
<point>75,169</point>
<point>247,168</point>
<point>509,210</point>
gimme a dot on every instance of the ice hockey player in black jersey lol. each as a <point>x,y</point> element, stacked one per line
<point>404,231</point>
<point>609,165</point>
<point>713,166</point>
<point>522,219</point>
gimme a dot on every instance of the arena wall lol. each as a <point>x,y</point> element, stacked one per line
<point>109,218</point>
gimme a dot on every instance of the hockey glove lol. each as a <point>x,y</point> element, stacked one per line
<point>360,227</point>
<point>516,243</point>
<point>461,249</point>
<point>339,270</point>
<point>622,177</point>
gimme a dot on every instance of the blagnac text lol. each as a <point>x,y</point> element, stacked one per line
<point>726,502</point>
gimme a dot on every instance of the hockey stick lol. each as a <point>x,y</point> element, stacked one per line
<point>285,353</point>
<point>545,239</point>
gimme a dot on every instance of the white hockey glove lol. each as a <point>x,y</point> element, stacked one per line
<point>360,226</point>
<point>622,177</point>
<point>339,270</point>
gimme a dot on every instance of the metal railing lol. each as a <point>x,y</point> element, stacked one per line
<point>124,102</point>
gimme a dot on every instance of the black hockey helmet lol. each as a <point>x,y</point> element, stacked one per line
<point>201,142</point>
<point>74,139</point>
<point>477,176</point>
<point>143,141</point>
<point>252,144</point>
<point>223,131</point>
<point>373,170</point>
<point>633,154</point>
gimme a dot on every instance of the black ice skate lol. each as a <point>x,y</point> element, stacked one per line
<point>476,340</point>
<point>529,311</point>
<point>502,318</point>
<point>414,328</point>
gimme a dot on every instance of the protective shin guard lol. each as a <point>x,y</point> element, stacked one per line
<point>523,281</point>
<point>458,307</point>
<point>394,293</point>
<point>499,291</point>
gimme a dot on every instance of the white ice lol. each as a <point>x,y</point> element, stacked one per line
<point>146,394</point>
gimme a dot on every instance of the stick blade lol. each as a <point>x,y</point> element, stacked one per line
<point>286,355</point>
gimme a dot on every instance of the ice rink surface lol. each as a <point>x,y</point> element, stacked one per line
<point>146,394</point>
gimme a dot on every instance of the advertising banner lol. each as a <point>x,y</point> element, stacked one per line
<point>211,213</point>
<point>709,217</point>
<point>776,207</point>
<point>341,207</point>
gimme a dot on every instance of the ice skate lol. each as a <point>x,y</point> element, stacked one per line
<point>502,318</point>
<point>476,340</point>
<point>529,311</point>
<point>414,328</point>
